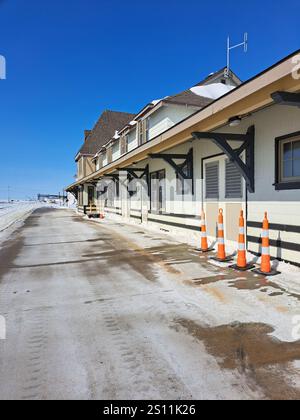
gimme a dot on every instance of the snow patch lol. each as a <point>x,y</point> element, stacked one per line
<point>212,91</point>
<point>156,101</point>
<point>116,136</point>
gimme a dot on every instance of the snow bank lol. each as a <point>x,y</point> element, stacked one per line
<point>213,91</point>
<point>11,213</point>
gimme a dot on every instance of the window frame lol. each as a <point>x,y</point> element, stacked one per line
<point>159,176</point>
<point>287,184</point>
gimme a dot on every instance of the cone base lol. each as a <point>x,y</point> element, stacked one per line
<point>247,268</point>
<point>271,274</point>
<point>227,259</point>
<point>204,251</point>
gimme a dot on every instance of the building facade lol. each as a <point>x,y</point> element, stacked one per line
<point>221,144</point>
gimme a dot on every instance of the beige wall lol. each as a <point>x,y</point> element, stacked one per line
<point>85,167</point>
<point>283,207</point>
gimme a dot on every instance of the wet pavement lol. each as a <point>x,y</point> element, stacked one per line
<point>102,310</point>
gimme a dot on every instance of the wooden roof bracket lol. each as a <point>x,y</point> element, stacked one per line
<point>133,172</point>
<point>286,98</point>
<point>248,144</point>
<point>143,174</point>
<point>170,159</point>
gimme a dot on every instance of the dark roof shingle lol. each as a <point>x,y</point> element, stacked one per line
<point>187,97</point>
<point>105,128</point>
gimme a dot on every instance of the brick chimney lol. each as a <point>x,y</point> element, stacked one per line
<point>86,134</point>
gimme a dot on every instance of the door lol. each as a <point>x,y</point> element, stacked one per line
<point>158,191</point>
<point>91,196</point>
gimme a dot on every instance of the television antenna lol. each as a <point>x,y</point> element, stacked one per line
<point>232,47</point>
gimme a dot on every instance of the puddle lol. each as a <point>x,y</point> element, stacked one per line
<point>251,350</point>
<point>262,284</point>
<point>207,280</point>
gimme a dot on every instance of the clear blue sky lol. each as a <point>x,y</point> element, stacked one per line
<point>69,60</point>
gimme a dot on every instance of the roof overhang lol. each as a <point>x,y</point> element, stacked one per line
<point>247,98</point>
<point>82,155</point>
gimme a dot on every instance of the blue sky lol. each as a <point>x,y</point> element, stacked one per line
<point>67,61</point>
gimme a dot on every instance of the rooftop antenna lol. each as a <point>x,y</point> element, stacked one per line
<point>232,47</point>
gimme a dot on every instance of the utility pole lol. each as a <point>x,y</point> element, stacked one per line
<point>8,194</point>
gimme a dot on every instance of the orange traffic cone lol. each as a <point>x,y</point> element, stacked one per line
<point>242,260</point>
<point>266,268</point>
<point>204,244</point>
<point>221,257</point>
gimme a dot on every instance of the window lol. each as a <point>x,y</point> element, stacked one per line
<point>212,180</point>
<point>116,150</point>
<point>233,181</point>
<point>158,191</point>
<point>288,162</point>
<point>91,195</point>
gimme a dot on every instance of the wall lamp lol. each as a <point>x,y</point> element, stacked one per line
<point>234,121</point>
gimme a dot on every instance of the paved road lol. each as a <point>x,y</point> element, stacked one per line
<point>115,312</point>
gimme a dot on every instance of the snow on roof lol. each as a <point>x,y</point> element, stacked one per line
<point>156,101</point>
<point>116,136</point>
<point>212,91</point>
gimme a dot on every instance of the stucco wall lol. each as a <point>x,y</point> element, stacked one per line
<point>166,117</point>
<point>283,207</point>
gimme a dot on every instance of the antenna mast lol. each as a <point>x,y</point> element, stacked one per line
<point>232,47</point>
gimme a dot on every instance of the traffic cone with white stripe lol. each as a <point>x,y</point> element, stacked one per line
<point>221,257</point>
<point>265,268</point>
<point>204,244</point>
<point>242,259</point>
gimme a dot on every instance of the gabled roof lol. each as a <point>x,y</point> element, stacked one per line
<point>105,128</point>
<point>190,98</point>
<point>213,77</point>
<point>187,97</point>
